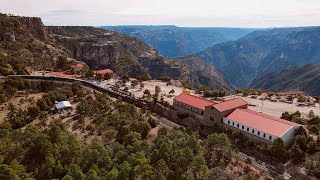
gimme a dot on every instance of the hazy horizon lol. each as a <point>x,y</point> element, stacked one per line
<point>182,13</point>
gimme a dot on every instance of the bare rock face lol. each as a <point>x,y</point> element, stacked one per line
<point>8,37</point>
<point>35,26</point>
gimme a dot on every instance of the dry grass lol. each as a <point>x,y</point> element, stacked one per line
<point>150,85</point>
<point>19,101</point>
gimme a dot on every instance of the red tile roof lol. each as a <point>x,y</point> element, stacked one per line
<point>263,122</point>
<point>230,104</point>
<point>60,74</point>
<point>194,101</point>
<point>77,66</point>
<point>104,71</point>
<point>290,93</point>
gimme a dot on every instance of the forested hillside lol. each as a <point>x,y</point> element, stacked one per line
<point>100,138</point>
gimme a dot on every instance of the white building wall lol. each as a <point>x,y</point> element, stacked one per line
<point>249,130</point>
<point>289,134</point>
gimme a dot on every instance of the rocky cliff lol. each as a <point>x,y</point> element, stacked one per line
<point>127,55</point>
<point>26,44</point>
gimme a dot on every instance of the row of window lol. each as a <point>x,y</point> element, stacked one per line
<point>248,130</point>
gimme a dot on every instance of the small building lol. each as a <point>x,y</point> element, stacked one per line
<point>273,99</point>
<point>104,71</point>
<point>62,105</point>
<point>259,126</point>
<point>77,67</point>
<point>191,104</point>
<point>290,93</point>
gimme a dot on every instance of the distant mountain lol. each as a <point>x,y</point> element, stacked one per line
<point>264,51</point>
<point>173,41</point>
<point>305,78</point>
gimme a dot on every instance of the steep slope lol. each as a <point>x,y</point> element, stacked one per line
<point>264,51</point>
<point>24,43</point>
<point>305,78</point>
<point>172,41</point>
<point>198,72</point>
<point>127,55</point>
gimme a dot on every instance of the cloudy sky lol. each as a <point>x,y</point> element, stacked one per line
<point>204,13</point>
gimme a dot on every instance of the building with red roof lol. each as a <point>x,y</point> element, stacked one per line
<point>235,114</point>
<point>264,127</point>
<point>77,67</point>
<point>191,103</point>
<point>290,93</point>
<point>104,71</point>
<point>60,74</point>
<point>230,105</point>
<point>216,112</point>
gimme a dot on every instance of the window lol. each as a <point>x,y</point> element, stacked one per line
<point>253,131</point>
<point>248,129</point>
<point>228,122</point>
<point>270,137</point>
<point>264,135</point>
<point>237,125</point>
<point>258,133</point>
<point>232,123</point>
<point>201,112</point>
<point>242,127</point>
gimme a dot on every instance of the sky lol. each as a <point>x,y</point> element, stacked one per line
<point>190,13</point>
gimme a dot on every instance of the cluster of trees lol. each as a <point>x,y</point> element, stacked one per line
<point>214,93</point>
<point>11,65</point>
<point>247,92</point>
<point>294,117</point>
<point>55,154</point>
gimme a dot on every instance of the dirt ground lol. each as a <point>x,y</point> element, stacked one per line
<point>19,101</point>
<point>277,108</point>
<point>150,85</point>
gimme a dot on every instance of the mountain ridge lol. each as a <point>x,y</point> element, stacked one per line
<point>264,51</point>
<point>305,78</point>
<point>173,41</point>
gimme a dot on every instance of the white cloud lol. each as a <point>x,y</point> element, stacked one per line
<point>235,13</point>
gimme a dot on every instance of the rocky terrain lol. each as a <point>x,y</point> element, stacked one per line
<point>264,51</point>
<point>173,41</point>
<point>26,42</point>
<point>305,78</point>
<point>26,45</point>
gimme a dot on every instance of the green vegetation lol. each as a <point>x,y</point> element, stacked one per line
<point>119,148</point>
<point>214,93</point>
